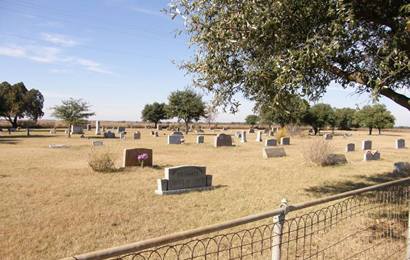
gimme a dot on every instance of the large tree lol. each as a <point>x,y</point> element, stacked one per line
<point>345,118</point>
<point>186,105</point>
<point>18,102</point>
<point>252,119</point>
<point>319,116</point>
<point>376,116</point>
<point>266,49</point>
<point>72,112</point>
<point>154,112</point>
<point>290,112</point>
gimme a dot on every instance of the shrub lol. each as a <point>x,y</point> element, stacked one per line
<point>102,161</point>
<point>318,152</point>
<point>281,133</point>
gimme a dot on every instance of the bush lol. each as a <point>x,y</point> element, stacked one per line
<point>318,152</point>
<point>281,133</point>
<point>102,161</point>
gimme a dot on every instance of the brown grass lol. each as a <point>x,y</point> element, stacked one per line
<point>53,205</point>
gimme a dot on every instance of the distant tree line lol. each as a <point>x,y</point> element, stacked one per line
<point>185,105</point>
<point>320,116</point>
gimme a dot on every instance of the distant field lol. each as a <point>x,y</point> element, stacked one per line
<point>53,205</point>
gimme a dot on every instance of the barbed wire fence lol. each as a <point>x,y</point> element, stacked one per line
<point>369,223</point>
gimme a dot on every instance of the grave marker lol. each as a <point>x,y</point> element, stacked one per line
<point>184,178</point>
<point>400,143</point>
<point>350,147</point>
<point>130,157</point>
<point>270,142</point>
<point>272,152</point>
<point>285,140</point>
<point>366,145</point>
<point>222,140</point>
<point>174,139</point>
<point>200,139</point>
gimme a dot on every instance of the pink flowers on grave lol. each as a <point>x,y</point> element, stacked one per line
<point>141,158</point>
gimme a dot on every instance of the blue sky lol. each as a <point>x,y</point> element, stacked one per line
<point>116,54</point>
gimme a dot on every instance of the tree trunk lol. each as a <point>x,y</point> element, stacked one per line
<point>315,130</point>
<point>155,124</point>
<point>380,131</point>
<point>13,121</point>
<point>370,130</point>
<point>28,131</point>
<point>186,127</point>
<point>69,131</point>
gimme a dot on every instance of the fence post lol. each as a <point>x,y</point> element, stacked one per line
<point>408,230</point>
<point>278,222</point>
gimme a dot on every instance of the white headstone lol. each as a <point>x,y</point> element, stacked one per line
<point>259,136</point>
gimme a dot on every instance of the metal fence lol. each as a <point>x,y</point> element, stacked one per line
<point>369,223</point>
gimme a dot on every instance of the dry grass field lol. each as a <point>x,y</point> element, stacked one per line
<point>53,205</point>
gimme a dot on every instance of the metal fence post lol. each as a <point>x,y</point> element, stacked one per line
<point>278,222</point>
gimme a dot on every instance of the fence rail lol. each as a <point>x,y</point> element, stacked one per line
<point>368,223</point>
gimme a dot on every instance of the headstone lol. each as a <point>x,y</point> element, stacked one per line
<point>109,134</point>
<point>370,156</point>
<point>238,134</point>
<point>137,135</point>
<point>152,133</point>
<point>401,167</point>
<point>97,143</point>
<point>366,145</point>
<point>177,133</point>
<point>54,146</point>
<point>156,134</point>
<point>400,144</point>
<point>328,136</point>
<point>88,127</point>
<point>97,128</point>
<point>243,136</point>
<point>175,139</point>
<point>334,159</point>
<point>285,140</point>
<point>120,129</point>
<point>200,139</point>
<point>159,127</point>
<point>270,142</point>
<point>350,147</point>
<point>251,130</point>
<point>183,179</point>
<point>259,136</point>
<point>222,140</point>
<point>130,157</point>
<point>122,135</point>
<point>53,131</point>
<point>76,130</point>
<point>271,152</point>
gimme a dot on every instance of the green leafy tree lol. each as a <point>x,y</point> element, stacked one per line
<point>72,112</point>
<point>376,116</point>
<point>319,116</point>
<point>345,118</point>
<point>267,49</point>
<point>17,102</point>
<point>290,112</point>
<point>154,112</point>
<point>252,119</point>
<point>186,105</point>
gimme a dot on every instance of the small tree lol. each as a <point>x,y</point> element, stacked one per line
<point>72,112</point>
<point>252,120</point>
<point>376,116</point>
<point>17,102</point>
<point>319,116</point>
<point>345,118</point>
<point>292,113</point>
<point>154,112</point>
<point>186,105</point>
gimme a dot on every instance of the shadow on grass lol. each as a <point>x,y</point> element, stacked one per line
<point>24,136</point>
<point>160,167</point>
<point>362,182</point>
<point>8,141</point>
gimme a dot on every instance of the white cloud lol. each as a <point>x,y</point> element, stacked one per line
<point>59,39</point>
<point>52,55</point>
<point>145,11</point>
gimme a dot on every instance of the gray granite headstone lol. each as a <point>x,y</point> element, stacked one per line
<point>370,156</point>
<point>400,143</point>
<point>88,127</point>
<point>76,130</point>
<point>137,135</point>
<point>183,179</point>
<point>366,145</point>
<point>222,140</point>
<point>285,140</point>
<point>328,136</point>
<point>109,134</point>
<point>271,142</point>
<point>401,167</point>
<point>350,147</point>
<point>97,143</point>
<point>120,129</point>
<point>200,139</point>
<point>174,139</point>
<point>271,152</point>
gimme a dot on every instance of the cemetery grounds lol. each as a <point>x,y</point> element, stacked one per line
<point>53,205</point>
